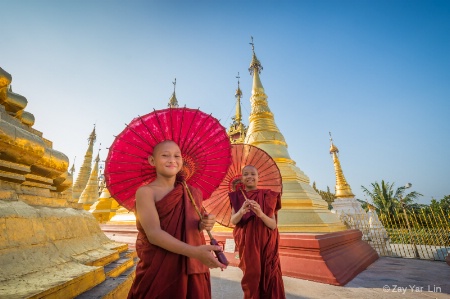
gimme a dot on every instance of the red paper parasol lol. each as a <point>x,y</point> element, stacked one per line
<point>203,142</point>
<point>242,155</point>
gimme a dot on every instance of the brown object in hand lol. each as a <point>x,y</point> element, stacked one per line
<point>219,254</point>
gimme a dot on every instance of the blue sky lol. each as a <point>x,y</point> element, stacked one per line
<point>374,73</point>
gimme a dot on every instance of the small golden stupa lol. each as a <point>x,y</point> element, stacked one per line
<point>303,209</point>
<point>105,207</point>
<point>343,189</point>
<point>237,130</point>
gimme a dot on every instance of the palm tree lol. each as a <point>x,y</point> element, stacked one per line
<point>386,199</point>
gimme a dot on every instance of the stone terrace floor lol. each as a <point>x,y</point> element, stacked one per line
<point>385,278</point>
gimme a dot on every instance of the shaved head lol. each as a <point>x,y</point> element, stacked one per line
<point>160,145</point>
<point>249,167</point>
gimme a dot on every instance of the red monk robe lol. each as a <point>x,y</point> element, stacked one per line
<point>164,274</point>
<point>258,246</point>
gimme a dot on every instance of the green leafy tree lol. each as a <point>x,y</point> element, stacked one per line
<point>441,206</point>
<point>386,198</point>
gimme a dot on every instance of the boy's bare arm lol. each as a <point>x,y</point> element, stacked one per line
<point>149,219</point>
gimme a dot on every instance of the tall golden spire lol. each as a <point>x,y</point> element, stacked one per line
<point>173,102</point>
<point>303,209</point>
<point>85,170</point>
<point>237,129</point>
<point>343,189</point>
<point>90,194</point>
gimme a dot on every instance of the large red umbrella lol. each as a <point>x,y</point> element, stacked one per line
<point>242,155</point>
<point>203,142</point>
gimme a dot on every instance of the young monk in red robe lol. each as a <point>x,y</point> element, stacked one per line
<point>256,236</point>
<point>174,261</point>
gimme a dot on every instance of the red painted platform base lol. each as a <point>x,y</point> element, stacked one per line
<point>333,258</point>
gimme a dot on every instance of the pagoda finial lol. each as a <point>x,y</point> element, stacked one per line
<point>238,96</point>
<point>97,159</point>
<point>173,102</point>
<point>255,65</point>
<point>92,137</point>
<point>72,169</point>
<point>333,148</point>
<point>343,189</point>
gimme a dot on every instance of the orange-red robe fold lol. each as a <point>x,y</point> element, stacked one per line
<point>164,274</point>
<point>258,246</point>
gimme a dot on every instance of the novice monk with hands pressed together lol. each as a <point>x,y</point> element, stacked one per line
<point>256,235</point>
<point>174,261</point>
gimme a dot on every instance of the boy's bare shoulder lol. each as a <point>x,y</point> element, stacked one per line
<point>145,190</point>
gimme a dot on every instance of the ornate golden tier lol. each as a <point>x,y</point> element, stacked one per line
<point>303,210</point>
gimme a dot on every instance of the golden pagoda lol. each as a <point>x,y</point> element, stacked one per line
<point>90,194</point>
<point>303,210</point>
<point>85,170</point>
<point>343,189</point>
<point>173,102</point>
<point>237,130</point>
<point>105,207</point>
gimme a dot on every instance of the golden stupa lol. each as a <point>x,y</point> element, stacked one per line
<point>343,189</point>
<point>237,130</point>
<point>303,209</point>
<point>90,193</point>
<point>105,207</point>
<point>85,170</point>
<point>49,246</point>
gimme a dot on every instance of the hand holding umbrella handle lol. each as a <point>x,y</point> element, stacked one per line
<point>219,254</point>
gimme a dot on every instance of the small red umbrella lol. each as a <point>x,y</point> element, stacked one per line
<point>203,142</point>
<point>242,155</point>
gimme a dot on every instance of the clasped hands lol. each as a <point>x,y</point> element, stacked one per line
<point>251,205</point>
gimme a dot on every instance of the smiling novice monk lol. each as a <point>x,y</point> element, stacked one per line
<point>174,261</point>
<point>256,236</point>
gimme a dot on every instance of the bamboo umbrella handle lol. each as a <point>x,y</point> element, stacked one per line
<point>219,254</point>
